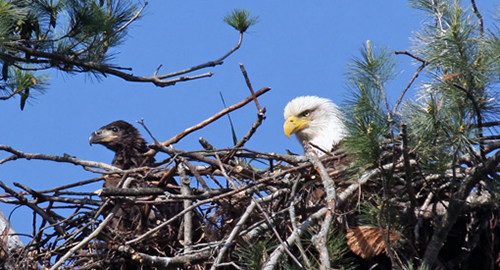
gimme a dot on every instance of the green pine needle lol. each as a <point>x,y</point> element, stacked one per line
<point>233,132</point>
<point>240,19</point>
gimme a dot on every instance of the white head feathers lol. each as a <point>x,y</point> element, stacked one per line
<point>314,120</point>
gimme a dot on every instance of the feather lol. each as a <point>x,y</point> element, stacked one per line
<point>315,121</point>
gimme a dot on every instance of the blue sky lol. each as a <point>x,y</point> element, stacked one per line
<point>296,49</point>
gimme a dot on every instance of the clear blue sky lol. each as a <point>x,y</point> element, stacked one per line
<point>297,48</point>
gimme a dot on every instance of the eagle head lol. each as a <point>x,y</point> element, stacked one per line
<point>314,120</point>
<point>126,141</point>
<point>116,136</point>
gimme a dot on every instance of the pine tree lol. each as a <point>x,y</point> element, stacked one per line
<point>437,155</point>
<point>76,36</point>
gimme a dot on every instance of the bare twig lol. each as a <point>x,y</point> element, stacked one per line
<point>237,227</point>
<point>46,216</point>
<point>216,116</point>
<point>88,238</point>
<point>249,84</point>
<point>66,159</point>
<point>413,78</point>
<point>141,122</point>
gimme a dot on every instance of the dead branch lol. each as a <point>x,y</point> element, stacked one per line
<point>211,119</point>
<point>65,159</point>
<point>87,239</point>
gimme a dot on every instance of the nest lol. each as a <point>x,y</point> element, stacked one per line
<point>212,208</point>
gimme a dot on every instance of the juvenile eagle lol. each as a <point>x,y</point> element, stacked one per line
<point>314,120</point>
<point>132,218</point>
<point>130,148</point>
<point>127,143</point>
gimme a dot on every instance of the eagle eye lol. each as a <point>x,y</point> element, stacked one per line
<point>114,129</point>
<point>305,114</point>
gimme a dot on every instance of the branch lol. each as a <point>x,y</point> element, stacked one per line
<point>87,239</point>
<point>164,262</point>
<point>321,238</point>
<point>83,66</point>
<point>219,61</point>
<point>249,84</point>
<point>408,168</point>
<point>36,209</point>
<point>216,116</point>
<point>237,227</point>
<point>479,17</point>
<point>273,261</point>
<point>479,117</point>
<point>413,78</point>
<point>188,216</point>
<point>455,208</point>
<point>65,159</point>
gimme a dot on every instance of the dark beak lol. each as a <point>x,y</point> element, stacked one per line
<point>94,137</point>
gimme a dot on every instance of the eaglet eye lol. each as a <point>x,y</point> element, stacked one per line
<point>114,129</point>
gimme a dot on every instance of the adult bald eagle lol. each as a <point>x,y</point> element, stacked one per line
<point>314,120</point>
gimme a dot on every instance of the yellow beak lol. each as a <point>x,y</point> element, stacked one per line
<point>294,124</point>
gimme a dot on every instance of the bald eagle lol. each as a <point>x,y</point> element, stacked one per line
<point>314,120</point>
<point>129,147</point>
<point>130,152</point>
<point>127,143</point>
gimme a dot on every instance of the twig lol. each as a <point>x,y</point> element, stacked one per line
<point>237,227</point>
<point>216,116</point>
<point>66,159</point>
<point>413,78</point>
<point>36,209</point>
<point>141,122</point>
<point>273,228</point>
<point>87,239</point>
<point>249,84</point>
